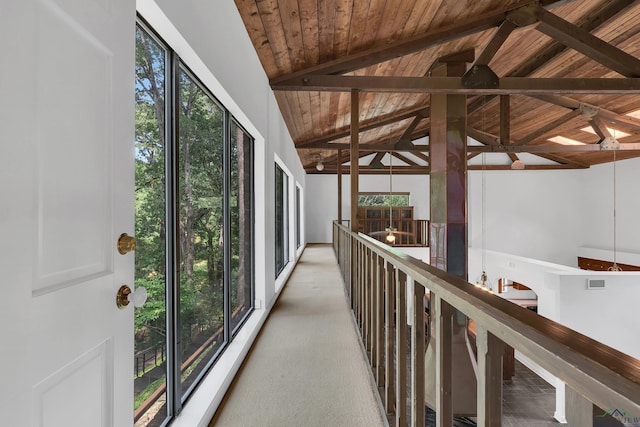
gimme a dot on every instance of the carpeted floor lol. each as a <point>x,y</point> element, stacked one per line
<point>306,368</point>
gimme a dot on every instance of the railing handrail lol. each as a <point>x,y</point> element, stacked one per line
<point>604,375</point>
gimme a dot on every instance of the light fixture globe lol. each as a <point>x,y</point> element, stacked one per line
<point>320,166</point>
<point>517,165</point>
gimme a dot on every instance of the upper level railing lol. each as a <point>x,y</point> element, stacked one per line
<point>376,278</point>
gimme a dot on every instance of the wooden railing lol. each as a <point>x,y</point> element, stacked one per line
<point>376,277</point>
<point>412,232</point>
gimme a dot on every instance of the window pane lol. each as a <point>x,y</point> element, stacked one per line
<point>282,219</point>
<point>298,219</point>
<point>241,211</point>
<point>201,291</point>
<point>150,320</point>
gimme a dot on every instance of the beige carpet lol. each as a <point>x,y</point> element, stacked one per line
<point>307,367</point>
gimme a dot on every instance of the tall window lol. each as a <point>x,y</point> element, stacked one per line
<point>298,217</point>
<point>282,219</point>
<point>194,223</point>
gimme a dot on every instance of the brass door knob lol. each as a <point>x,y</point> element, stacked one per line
<point>126,296</point>
<point>126,243</point>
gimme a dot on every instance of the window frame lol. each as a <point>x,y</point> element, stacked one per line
<point>176,397</point>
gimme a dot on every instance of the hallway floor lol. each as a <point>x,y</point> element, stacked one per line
<point>306,367</point>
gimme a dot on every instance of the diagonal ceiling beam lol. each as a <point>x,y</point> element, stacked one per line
<point>404,159</point>
<point>454,85</point>
<point>562,160</point>
<point>546,129</point>
<point>370,125</point>
<point>491,48</point>
<point>588,44</point>
<point>420,42</point>
<point>628,122</point>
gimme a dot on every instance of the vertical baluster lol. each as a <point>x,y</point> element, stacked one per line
<point>373,268</point>
<point>490,352</point>
<point>389,303</point>
<point>379,350</point>
<point>401,349</point>
<point>444,363</point>
<point>367,304</point>
<point>417,357</point>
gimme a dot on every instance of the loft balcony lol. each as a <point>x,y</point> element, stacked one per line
<point>348,344</point>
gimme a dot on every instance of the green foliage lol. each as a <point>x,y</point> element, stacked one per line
<point>383,200</point>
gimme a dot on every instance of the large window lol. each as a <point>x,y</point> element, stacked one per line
<point>194,224</point>
<point>298,217</point>
<point>282,219</point>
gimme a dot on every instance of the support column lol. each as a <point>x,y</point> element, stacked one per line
<point>448,160</point>
<point>340,186</point>
<point>355,156</point>
<point>448,359</point>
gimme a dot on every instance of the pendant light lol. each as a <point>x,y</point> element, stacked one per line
<point>615,266</point>
<point>483,280</point>
<point>391,237</point>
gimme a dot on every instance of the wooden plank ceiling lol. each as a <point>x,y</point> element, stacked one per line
<point>552,79</point>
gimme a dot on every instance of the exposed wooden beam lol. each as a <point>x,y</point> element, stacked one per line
<point>496,148</point>
<point>548,148</point>
<point>588,44</point>
<point>599,128</point>
<point>562,160</point>
<point>369,125</point>
<point>404,159</point>
<point>505,119</point>
<point>453,85</point>
<point>421,156</point>
<point>354,148</point>
<point>377,158</point>
<point>483,137</point>
<point>490,50</point>
<point>549,127</point>
<point>425,170</point>
<point>529,167</point>
<point>513,157</point>
<point>628,122</point>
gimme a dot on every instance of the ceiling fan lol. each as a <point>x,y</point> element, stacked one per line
<point>390,231</point>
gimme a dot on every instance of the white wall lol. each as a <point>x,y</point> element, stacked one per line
<point>210,37</point>
<point>322,203</point>
<point>545,215</point>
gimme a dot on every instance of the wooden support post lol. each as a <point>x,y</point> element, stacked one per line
<point>340,186</point>
<point>490,352</point>
<point>389,308</point>
<point>505,119</point>
<point>444,362</point>
<point>355,156</point>
<point>417,356</point>
<point>401,349</point>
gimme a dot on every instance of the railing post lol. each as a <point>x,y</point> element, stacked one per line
<point>379,324</point>
<point>417,356</point>
<point>371,265</point>
<point>579,408</point>
<point>389,303</point>
<point>490,353</point>
<point>401,349</point>
<point>444,362</point>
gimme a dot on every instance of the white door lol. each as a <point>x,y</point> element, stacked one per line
<point>66,194</point>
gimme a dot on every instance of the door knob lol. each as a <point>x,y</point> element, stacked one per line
<point>126,243</point>
<point>125,296</point>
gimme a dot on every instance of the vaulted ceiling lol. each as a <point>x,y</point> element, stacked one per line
<point>554,84</point>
